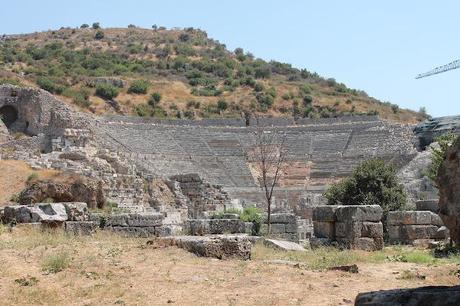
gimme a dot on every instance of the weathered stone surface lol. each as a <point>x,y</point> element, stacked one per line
<point>449,191</point>
<point>131,231</point>
<point>284,218</point>
<point>324,213</point>
<point>407,233</point>
<point>367,244</point>
<point>80,227</point>
<point>86,191</point>
<point>284,245</point>
<point>219,246</point>
<point>427,205</point>
<point>433,296</point>
<point>348,213</point>
<point>42,212</point>
<point>77,211</point>
<point>372,229</point>
<point>409,217</point>
<point>134,220</point>
<point>340,229</point>
<point>216,226</point>
<point>276,228</point>
<point>442,233</point>
<point>324,229</point>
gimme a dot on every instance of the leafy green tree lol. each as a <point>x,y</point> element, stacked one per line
<point>438,154</point>
<point>106,91</point>
<point>84,26</point>
<point>96,25</point>
<point>371,183</point>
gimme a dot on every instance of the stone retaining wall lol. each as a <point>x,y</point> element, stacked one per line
<point>415,227</point>
<point>285,226</point>
<point>354,226</point>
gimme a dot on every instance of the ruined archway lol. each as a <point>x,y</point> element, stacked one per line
<point>9,115</point>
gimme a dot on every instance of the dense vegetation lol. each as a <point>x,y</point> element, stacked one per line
<point>371,183</point>
<point>213,80</point>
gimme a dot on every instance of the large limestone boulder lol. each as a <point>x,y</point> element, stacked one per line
<point>433,296</point>
<point>449,192</point>
<point>86,191</point>
<point>217,246</point>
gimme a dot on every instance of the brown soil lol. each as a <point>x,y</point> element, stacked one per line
<point>110,270</point>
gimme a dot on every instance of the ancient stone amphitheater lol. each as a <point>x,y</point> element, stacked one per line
<point>188,168</point>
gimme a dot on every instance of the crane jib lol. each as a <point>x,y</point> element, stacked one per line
<point>440,69</point>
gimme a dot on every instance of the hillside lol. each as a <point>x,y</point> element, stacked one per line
<point>176,73</point>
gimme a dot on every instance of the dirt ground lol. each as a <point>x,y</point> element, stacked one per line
<point>110,270</point>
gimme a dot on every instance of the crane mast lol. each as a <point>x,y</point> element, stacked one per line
<point>451,66</point>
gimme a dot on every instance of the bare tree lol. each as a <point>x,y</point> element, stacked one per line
<point>269,160</point>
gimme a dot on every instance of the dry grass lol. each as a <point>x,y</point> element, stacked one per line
<point>107,269</point>
<point>15,175</point>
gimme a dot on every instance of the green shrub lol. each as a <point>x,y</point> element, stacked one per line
<point>254,215</point>
<point>222,105</point>
<point>49,85</point>
<point>10,82</point>
<point>144,110</point>
<point>371,183</point>
<point>106,91</point>
<point>304,89</point>
<point>155,98</point>
<point>96,25</point>
<point>56,262</point>
<point>307,100</point>
<point>32,177</point>
<point>99,35</point>
<point>139,87</point>
<point>84,26</point>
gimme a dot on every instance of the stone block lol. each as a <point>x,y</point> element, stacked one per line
<point>218,246</point>
<point>77,211</point>
<point>135,220</point>
<point>412,232</point>
<point>340,229</point>
<point>226,226</point>
<point>284,245</point>
<point>436,220</point>
<point>394,232</point>
<point>278,228</point>
<point>281,218</point>
<point>323,229</point>
<point>359,213</point>
<point>80,227</point>
<point>291,228</point>
<point>324,213</point>
<point>409,217</point>
<point>431,295</point>
<point>427,205</point>
<point>198,227</point>
<point>368,244</point>
<point>372,229</point>
<point>134,231</point>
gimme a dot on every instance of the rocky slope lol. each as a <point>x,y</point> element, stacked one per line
<point>174,73</point>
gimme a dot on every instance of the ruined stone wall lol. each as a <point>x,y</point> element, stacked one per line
<point>415,227</point>
<point>353,226</point>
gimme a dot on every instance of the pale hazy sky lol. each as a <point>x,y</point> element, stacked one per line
<point>377,47</point>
